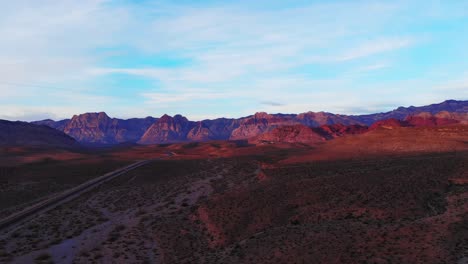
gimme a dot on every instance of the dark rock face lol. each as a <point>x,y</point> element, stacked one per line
<point>22,133</point>
<point>221,128</point>
<point>131,130</point>
<point>339,130</point>
<point>59,125</point>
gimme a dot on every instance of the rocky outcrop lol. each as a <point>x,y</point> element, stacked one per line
<point>339,130</point>
<point>427,119</point>
<point>388,124</point>
<point>290,134</point>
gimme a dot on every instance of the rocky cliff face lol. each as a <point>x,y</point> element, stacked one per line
<point>92,128</point>
<point>22,133</point>
<point>167,129</point>
<point>221,128</point>
<point>200,132</point>
<point>99,128</point>
<point>131,130</point>
<point>258,124</point>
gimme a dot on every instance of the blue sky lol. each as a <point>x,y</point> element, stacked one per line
<point>228,58</point>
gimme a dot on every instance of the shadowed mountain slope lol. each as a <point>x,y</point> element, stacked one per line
<point>22,133</point>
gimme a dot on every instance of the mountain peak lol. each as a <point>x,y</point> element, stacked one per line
<point>259,115</point>
<point>165,118</point>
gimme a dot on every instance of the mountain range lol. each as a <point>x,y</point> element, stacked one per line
<point>100,129</point>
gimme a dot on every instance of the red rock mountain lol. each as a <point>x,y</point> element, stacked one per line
<point>98,128</point>
<point>22,133</point>
<point>221,128</point>
<point>313,119</point>
<point>168,129</point>
<point>258,124</point>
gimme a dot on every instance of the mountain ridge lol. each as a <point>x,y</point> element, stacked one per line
<point>99,128</point>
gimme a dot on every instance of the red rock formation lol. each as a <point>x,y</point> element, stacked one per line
<point>313,119</point>
<point>91,128</point>
<point>388,124</point>
<point>258,124</point>
<point>200,132</point>
<point>428,120</point>
<point>339,130</point>
<point>99,128</point>
<point>291,134</point>
<point>167,129</point>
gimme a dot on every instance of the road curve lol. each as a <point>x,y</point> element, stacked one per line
<point>65,196</point>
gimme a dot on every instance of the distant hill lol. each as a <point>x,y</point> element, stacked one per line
<point>452,106</point>
<point>99,128</point>
<point>23,133</point>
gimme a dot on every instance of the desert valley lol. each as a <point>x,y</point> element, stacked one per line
<point>268,188</point>
<point>233,132</point>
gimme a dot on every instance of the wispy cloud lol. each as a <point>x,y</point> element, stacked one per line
<point>375,47</point>
<point>242,55</point>
<point>271,103</point>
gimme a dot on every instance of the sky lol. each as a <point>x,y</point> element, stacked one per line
<point>207,59</point>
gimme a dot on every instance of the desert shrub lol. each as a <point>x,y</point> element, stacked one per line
<point>190,145</point>
<point>43,256</point>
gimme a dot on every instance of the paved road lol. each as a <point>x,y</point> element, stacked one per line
<point>65,196</point>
